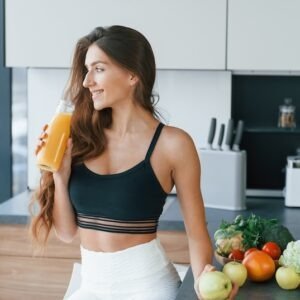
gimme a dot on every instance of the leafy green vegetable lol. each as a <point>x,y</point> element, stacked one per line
<point>278,234</point>
<point>291,256</point>
<point>255,231</point>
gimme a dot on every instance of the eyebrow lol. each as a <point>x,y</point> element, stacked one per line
<point>97,62</point>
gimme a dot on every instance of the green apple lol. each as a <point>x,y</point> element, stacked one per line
<point>287,278</point>
<point>236,271</point>
<point>214,285</point>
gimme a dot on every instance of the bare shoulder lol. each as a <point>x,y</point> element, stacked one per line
<point>177,142</point>
<point>176,135</point>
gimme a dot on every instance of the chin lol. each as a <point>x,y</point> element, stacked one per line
<point>99,105</point>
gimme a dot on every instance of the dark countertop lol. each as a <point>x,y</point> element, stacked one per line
<point>249,291</point>
<point>15,211</point>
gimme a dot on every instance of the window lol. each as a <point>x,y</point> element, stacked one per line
<point>19,130</point>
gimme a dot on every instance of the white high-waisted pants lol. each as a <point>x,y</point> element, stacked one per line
<point>141,272</point>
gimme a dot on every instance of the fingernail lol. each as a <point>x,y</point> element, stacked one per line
<point>45,127</point>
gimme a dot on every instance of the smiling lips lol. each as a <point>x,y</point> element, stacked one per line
<point>96,93</point>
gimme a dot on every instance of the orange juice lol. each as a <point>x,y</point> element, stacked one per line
<point>50,156</point>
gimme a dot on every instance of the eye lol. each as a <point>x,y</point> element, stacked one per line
<point>99,70</point>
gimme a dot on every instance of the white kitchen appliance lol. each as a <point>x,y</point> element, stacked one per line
<point>292,185</point>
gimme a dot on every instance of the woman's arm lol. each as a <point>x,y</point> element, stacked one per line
<point>64,219</point>
<point>186,176</point>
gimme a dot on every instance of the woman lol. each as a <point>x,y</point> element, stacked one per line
<point>120,164</point>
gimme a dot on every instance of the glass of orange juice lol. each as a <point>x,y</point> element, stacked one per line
<point>50,156</point>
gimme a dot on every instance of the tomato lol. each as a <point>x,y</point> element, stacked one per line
<point>249,251</point>
<point>260,266</point>
<point>236,254</point>
<point>272,249</point>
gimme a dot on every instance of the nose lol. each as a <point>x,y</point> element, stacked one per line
<point>88,80</point>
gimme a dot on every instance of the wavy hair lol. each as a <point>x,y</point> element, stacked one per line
<point>129,49</point>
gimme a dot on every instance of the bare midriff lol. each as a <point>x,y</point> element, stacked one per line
<point>102,241</point>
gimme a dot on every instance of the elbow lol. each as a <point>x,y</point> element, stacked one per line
<point>68,239</point>
<point>66,236</point>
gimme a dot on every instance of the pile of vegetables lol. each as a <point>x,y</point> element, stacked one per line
<point>250,232</point>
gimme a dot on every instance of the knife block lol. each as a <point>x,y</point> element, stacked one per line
<point>223,179</point>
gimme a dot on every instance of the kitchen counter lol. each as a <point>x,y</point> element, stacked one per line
<point>269,208</point>
<point>15,211</point>
<point>249,291</point>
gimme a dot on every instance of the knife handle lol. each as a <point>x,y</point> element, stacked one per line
<point>221,135</point>
<point>229,133</point>
<point>238,135</point>
<point>212,130</point>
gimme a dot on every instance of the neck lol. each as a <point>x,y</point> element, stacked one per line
<point>130,119</point>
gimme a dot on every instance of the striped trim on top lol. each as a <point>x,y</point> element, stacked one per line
<point>117,226</point>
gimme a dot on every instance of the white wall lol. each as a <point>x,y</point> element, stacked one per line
<point>188,99</point>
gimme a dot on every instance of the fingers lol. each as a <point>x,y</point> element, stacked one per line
<point>208,268</point>
<point>42,137</point>
<point>37,150</point>
<point>234,291</point>
<point>44,133</point>
<point>39,147</point>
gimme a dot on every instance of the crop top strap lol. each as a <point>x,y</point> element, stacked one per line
<point>154,141</point>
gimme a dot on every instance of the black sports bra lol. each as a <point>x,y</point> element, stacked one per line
<point>127,202</point>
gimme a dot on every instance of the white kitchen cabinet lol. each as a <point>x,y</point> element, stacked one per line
<point>263,35</point>
<point>188,34</point>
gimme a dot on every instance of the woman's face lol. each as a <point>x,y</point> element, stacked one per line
<point>108,83</point>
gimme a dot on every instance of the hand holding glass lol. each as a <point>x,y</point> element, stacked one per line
<point>53,142</point>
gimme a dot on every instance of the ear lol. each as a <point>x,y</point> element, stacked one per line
<point>133,79</point>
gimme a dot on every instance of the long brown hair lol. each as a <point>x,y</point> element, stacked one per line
<point>129,49</point>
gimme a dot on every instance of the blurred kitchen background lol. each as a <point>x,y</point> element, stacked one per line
<point>220,59</point>
<point>19,130</point>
